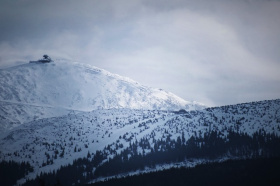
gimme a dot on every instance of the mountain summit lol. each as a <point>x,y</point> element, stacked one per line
<point>59,87</point>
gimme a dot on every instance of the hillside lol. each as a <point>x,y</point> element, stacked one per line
<point>40,90</point>
<point>231,172</point>
<point>103,141</point>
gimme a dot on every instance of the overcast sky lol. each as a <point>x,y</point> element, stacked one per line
<point>216,52</point>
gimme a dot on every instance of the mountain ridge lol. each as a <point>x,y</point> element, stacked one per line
<point>111,133</point>
<point>75,86</point>
<point>57,117</point>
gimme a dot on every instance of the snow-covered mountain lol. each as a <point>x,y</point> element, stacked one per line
<point>86,124</point>
<point>50,143</point>
<point>40,90</point>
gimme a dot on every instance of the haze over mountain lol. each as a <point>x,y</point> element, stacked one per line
<point>39,90</point>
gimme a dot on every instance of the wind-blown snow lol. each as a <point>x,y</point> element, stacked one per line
<point>66,86</point>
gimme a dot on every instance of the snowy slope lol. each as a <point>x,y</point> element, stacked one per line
<point>54,113</point>
<point>14,114</point>
<point>49,143</point>
<point>74,86</point>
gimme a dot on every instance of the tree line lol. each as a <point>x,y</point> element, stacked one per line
<point>209,146</point>
<point>11,171</point>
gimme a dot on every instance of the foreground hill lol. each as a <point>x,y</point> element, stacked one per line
<point>231,172</point>
<point>40,90</point>
<point>92,146</point>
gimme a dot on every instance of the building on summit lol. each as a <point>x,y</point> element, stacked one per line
<point>46,59</point>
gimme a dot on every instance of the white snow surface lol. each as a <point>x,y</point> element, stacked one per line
<point>54,113</point>
<point>76,134</point>
<point>54,89</point>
